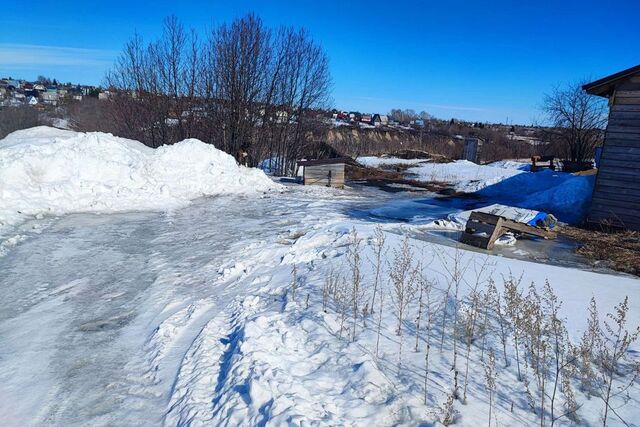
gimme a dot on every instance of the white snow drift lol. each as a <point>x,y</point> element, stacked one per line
<point>50,171</point>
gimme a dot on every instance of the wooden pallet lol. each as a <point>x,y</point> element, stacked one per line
<point>494,226</point>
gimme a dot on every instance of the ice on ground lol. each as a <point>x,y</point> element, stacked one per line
<point>44,170</point>
<point>177,321</point>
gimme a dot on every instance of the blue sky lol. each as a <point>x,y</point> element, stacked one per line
<point>476,60</point>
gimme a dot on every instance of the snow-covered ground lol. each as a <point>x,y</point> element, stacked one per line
<point>463,175</point>
<point>382,162</point>
<point>189,316</point>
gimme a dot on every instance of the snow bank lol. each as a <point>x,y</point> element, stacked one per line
<point>463,175</point>
<point>51,171</point>
<point>376,162</point>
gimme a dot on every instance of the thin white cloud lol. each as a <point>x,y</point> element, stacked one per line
<point>28,55</point>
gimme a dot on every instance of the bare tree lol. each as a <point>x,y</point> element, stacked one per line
<point>250,90</point>
<point>577,119</point>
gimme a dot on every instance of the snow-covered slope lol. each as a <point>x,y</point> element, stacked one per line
<point>51,171</point>
<point>463,175</point>
<point>377,162</point>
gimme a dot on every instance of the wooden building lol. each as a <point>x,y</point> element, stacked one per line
<point>327,172</point>
<point>472,147</point>
<point>616,196</point>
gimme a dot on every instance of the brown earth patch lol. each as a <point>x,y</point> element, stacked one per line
<point>616,250</point>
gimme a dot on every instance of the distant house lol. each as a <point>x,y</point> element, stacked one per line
<point>32,100</point>
<point>380,120</point>
<point>49,97</point>
<point>39,87</point>
<point>616,195</point>
<point>366,118</point>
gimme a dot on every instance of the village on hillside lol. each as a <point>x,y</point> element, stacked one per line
<point>207,238</point>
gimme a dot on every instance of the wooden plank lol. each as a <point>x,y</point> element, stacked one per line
<point>473,240</point>
<point>606,193</point>
<point>605,179</point>
<point>622,139</point>
<point>626,101</point>
<point>479,227</point>
<point>618,202</point>
<point>624,122</point>
<point>528,229</point>
<point>497,232</point>
<point>615,128</point>
<point>618,177</point>
<point>619,162</point>
<point>628,94</point>
<point>613,114</point>
<point>626,108</point>
<point>484,217</point>
<point>611,170</point>
<point>632,191</point>
<point>612,150</point>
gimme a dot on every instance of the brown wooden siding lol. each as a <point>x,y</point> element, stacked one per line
<point>319,175</point>
<point>616,197</point>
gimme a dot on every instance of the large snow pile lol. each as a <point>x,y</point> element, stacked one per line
<point>51,171</point>
<point>463,175</point>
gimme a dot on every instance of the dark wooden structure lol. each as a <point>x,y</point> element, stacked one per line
<point>327,172</point>
<point>616,196</point>
<point>536,166</point>
<point>483,229</point>
<point>472,147</point>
